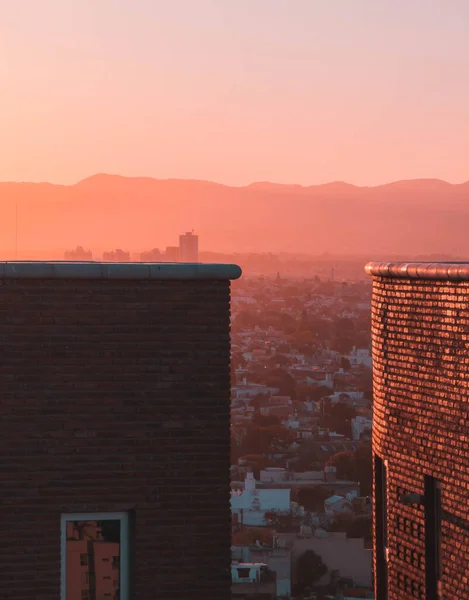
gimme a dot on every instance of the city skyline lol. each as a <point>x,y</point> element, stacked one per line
<point>263,217</point>
<point>254,417</point>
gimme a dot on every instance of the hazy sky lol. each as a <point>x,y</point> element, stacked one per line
<point>235,91</point>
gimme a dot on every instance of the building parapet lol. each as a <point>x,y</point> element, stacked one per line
<point>456,271</point>
<point>103,270</point>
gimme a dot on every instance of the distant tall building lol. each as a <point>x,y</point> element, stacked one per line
<point>171,254</point>
<point>189,247</point>
<point>151,256</point>
<point>79,254</point>
<point>116,256</point>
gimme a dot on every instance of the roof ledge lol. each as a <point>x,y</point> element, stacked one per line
<point>129,271</point>
<point>442,271</point>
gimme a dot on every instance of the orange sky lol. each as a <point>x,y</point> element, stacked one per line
<point>304,91</point>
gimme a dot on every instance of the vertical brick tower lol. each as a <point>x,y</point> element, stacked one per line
<point>114,431</point>
<point>420,330</point>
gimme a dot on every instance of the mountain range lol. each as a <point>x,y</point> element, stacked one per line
<point>108,211</point>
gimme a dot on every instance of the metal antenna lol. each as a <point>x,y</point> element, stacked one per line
<point>16,230</point>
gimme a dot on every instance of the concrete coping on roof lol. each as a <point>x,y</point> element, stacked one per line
<point>101,270</point>
<point>443,271</point>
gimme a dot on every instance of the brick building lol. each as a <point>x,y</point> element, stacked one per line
<point>114,431</point>
<point>420,330</point>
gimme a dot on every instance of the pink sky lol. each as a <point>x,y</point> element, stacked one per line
<point>293,91</point>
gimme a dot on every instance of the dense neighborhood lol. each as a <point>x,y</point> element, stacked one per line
<point>301,408</point>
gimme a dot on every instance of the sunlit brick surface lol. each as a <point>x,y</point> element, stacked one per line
<point>420,335</point>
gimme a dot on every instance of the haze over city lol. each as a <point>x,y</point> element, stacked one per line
<point>234,304</point>
<point>234,93</point>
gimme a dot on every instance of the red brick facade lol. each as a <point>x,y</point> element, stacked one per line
<point>114,396</point>
<point>420,329</point>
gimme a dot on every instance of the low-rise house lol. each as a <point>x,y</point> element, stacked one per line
<point>336,437</point>
<point>280,400</point>
<point>360,427</point>
<point>276,555</point>
<point>278,475</point>
<point>346,557</point>
<point>336,505</point>
<point>282,412</point>
<point>243,300</point>
<point>253,580</point>
<point>360,356</point>
<point>352,398</point>
<point>249,506</point>
<point>246,391</point>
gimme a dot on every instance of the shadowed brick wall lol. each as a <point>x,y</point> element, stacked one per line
<point>420,330</point>
<point>114,396</point>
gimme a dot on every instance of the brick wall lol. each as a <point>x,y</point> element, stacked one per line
<point>420,332</point>
<point>114,396</point>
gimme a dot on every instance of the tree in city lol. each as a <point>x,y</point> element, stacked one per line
<point>343,335</point>
<point>261,420</point>
<point>360,527</point>
<point>308,457</point>
<point>267,440</point>
<point>256,462</point>
<point>317,392</point>
<point>258,401</point>
<point>238,360</point>
<point>246,320</point>
<point>287,323</point>
<point>339,418</point>
<point>312,498</point>
<point>309,570</point>
<point>321,328</point>
<point>282,522</point>
<point>278,360</point>
<point>305,339</point>
<point>258,458</point>
<point>345,363</point>
<point>345,463</point>
<point>365,382</point>
<point>282,380</point>
<point>341,521</point>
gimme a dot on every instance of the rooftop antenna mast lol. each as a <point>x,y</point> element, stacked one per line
<point>16,230</point>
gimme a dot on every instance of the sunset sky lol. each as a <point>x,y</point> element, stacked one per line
<point>235,91</point>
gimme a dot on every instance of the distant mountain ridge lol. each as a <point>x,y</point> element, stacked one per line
<point>417,216</point>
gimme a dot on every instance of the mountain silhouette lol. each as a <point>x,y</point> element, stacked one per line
<point>107,211</point>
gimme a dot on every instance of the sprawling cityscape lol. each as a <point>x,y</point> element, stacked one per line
<point>301,418</point>
<point>234,300</point>
<point>301,421</point>
<point>301,438</point>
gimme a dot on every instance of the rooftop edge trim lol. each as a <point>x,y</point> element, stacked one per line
<point>101,270</point>
<point>443,271</point>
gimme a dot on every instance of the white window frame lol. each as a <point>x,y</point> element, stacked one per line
<point>124,565</point>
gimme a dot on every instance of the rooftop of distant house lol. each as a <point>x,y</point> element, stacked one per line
<point>456,271</point>
<point>124,270</point>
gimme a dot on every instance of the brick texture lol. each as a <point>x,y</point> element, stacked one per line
<point>114,396</point>
<point>420,335</point>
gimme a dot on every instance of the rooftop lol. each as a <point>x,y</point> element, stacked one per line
<point>102,270</point>
<point>334,499</point>
<point>456,271</point>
